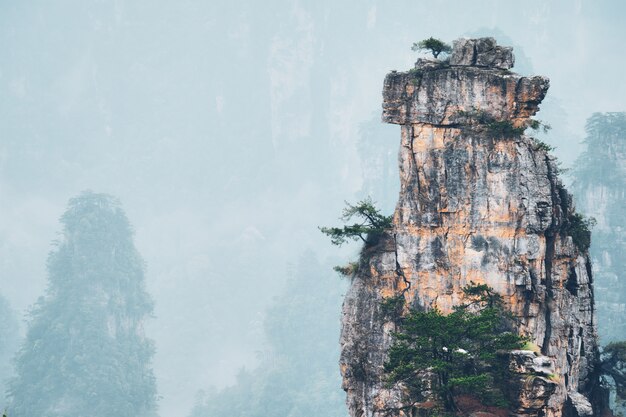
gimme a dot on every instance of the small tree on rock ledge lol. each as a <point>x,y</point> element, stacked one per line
<point>435,46</point>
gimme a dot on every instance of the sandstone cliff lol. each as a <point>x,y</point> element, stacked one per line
<point>478,203</point>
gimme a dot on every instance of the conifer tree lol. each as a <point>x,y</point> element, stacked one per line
<point>85,352</point>
<point>435,46</point>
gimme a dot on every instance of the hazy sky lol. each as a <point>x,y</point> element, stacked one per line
<point>229,131</point>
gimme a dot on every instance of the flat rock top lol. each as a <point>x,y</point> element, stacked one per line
<point>475,78</point>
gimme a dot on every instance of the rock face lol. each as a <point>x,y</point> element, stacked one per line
<point>477,204</point>
<point>483,52</point>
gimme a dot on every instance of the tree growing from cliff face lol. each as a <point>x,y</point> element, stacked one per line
<point>85,353</point>
<point>579,228</point>
<point>459,349</point>
<point>371,225</point>
<point>435,46</point>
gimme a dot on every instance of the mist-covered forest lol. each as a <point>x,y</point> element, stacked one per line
<point>164,168</point>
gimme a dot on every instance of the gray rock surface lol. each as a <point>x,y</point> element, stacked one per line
<point>580,405</point>
<point>533,384</point>
<point>483,52</point>
<point>473,208</point>
<point>428,63</point>
<point>438,96</point>
<point>528,362</point>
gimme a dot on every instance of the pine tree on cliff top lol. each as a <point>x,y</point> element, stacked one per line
<point>85,353</point>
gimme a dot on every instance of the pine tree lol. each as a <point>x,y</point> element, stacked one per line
<point>458,349</point>
<point>435,46</point>
<point>85,353</point>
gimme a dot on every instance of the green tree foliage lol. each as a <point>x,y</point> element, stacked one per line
<point>348,270</point>
<point>298,374</point>
<point>9,343</point>
<point>85,353</point>
<point>459,349</point>
<point>579,228</point>
<point>499,129</point>
<point>435,46</point>
<point>538,125</point>
<point>371,225</point>
<point>542,146</point>
<point>502,129</point>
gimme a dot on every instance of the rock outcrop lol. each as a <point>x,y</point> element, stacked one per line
<point>483,52</point>
<point>479,202</point>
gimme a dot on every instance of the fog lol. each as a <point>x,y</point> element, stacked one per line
<point>231,130</point>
